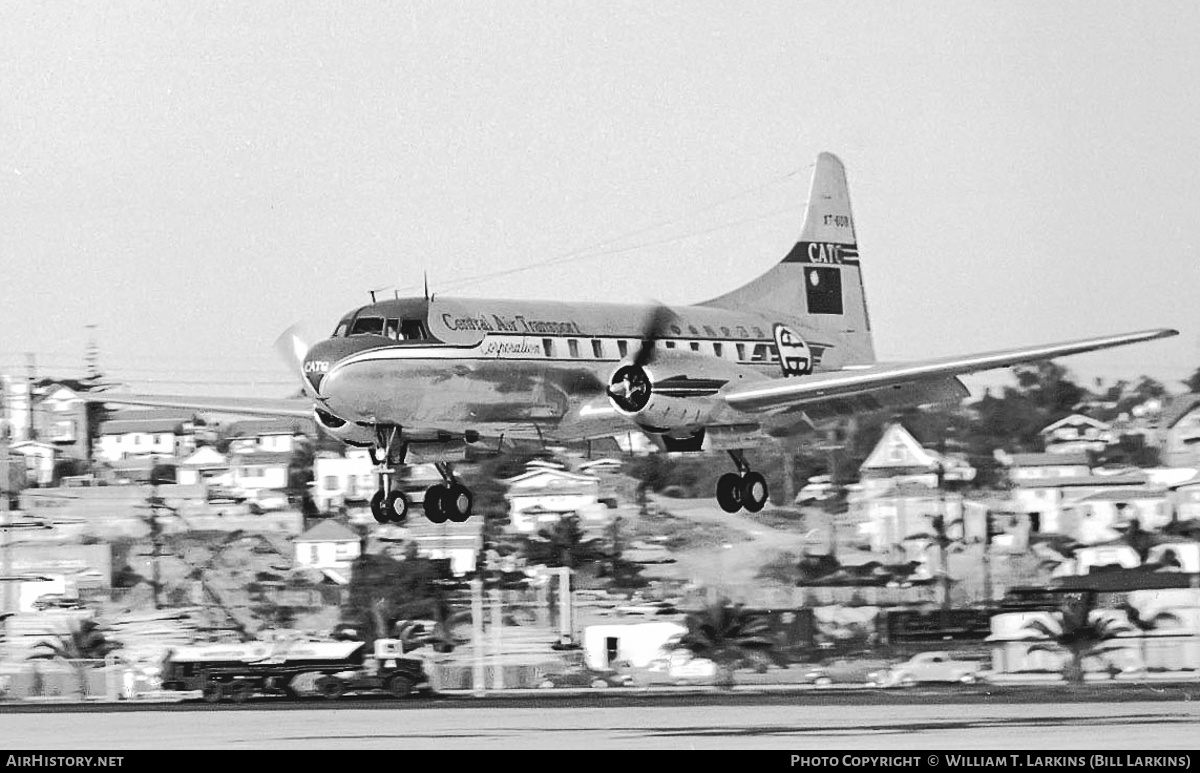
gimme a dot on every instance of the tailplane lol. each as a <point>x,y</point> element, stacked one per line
<point>819,282</point>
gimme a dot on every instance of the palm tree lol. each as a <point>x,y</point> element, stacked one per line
<point>731,637</point>
<point>83,641</point>
<point>1080,630</point>
<point>565,544</point>
<point>946,544</point>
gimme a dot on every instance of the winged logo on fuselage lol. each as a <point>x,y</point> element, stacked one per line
<point>795,357</point>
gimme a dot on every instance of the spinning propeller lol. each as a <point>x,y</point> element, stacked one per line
<point>630,386</point>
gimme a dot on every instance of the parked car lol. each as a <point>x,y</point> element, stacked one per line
<point>585,677</point>
<point>265,500</point>
<point>680,668</point>
<point>648,608</point>
<point>845,671</point>
<point>56,601</point>
<point>933,667</point>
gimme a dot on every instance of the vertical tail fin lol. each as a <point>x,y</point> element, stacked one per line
<point>818,284</point>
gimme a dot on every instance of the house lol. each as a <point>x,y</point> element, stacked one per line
<point>460,543</point>
<point>61,418</point>
<point>544,495</point>
<point>1042,466</point>
<point>329,546</point>
<point>158,433</point>
<point>277,435</point>
<point>259,470</point>
<point>1180,428</point>
<point>38,459</point>
<point>1048,501</point>
<point>1095,515</point>
<point>338,480</point>
<point>205,466</point>
<point>889,519</point>
<point>1077,433</point>
<point>898,458</point>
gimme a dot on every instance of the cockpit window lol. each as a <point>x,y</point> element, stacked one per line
<point>391,328</point>
<point>342,327</point>
<point>367,326</point>
<point>413,330</point>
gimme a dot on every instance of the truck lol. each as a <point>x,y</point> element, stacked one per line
<point>238,672</point>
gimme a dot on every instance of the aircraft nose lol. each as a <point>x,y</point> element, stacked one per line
<point>317,363</point>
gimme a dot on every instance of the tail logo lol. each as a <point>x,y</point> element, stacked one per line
<point>795,357</point>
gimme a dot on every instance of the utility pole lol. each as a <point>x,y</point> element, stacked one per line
<point>31,378</point>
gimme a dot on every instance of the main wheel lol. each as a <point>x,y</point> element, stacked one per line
<point>457,502</point>
<point>434,504</point>
<point>378,508</point>
<point>396,506</point>
<point>754,491</point>
<point>729,492</point>
<point>400,686</point>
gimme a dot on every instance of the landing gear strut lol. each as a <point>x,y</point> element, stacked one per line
<point>446,501</point>
<point>742,489</point>
<point>389,504</point>
<point>450,500</point>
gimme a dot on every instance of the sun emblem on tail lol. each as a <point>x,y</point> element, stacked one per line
<point>795,358</point>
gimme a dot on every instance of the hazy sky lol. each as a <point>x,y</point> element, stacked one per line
<point>193,177</point>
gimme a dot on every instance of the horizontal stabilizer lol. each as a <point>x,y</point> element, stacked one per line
<point>266,407</point>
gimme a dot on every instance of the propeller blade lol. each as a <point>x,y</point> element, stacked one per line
<point>652,330</point>
<point>292,348</point>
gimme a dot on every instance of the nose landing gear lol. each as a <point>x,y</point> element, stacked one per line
<point>742,489</point>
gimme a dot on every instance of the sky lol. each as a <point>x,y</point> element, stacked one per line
<point>191,178</point>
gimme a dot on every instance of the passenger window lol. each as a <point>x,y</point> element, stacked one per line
<point>597,349</point>
<point>759,354</point>
<point>367,326</point>
<point>741,352</point>
<point>718,349</point>
<point>623,348</point>
<point>695,346</point>
<point>670,344</point>
<point>573,348</point>
<point>548,346</point>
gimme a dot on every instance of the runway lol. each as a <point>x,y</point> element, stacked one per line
<point>747,724</point>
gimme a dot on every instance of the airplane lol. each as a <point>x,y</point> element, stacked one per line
<point>423,379</point>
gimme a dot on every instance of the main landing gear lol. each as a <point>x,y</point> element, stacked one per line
<point>446,501</point>
<point>742,489</point>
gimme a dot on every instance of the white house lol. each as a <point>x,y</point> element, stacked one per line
<point>898,458</point>
<point>1049,502</point>
<point>1076,433</point>
<point>281,436</point>
<point>1097,514</point>
<point>637,644</point>
<point>38,459</point>
<point>1181,432</point>
<point>259,470</point>
<point>145,433</point>
<point>1038,467</point>
<point>330,547</point>
<point>543,496</point>
<point>206,466</point>
<point>341,479</point>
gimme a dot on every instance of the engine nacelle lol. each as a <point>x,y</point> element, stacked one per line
<point>346,431</point>
<point>661,400</point>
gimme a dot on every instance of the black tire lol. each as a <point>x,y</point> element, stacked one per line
<point>754,492</point>
<point>729,492</point>
<point>400,686</point>
<point>396,507</point>
<point>213,692</point>
<point>330,687</point>
<point>378,508</point>
<point>434,504</point>
<point>457,502</point>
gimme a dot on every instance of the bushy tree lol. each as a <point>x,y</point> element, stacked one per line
<point>731,637</point>
<point>82,642</point>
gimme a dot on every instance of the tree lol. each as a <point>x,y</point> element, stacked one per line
<point>1079,629</point>
<point>83,641</point>
<point>384,591</point>
<point>945,544</point>
<point>1193,382</point>
<point>564,544</point>
<point>731,637</point>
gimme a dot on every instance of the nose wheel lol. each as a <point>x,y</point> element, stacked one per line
<point>742,489</point>
<point>446,501</point>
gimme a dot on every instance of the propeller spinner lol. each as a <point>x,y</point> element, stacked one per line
<point>630,387</point>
